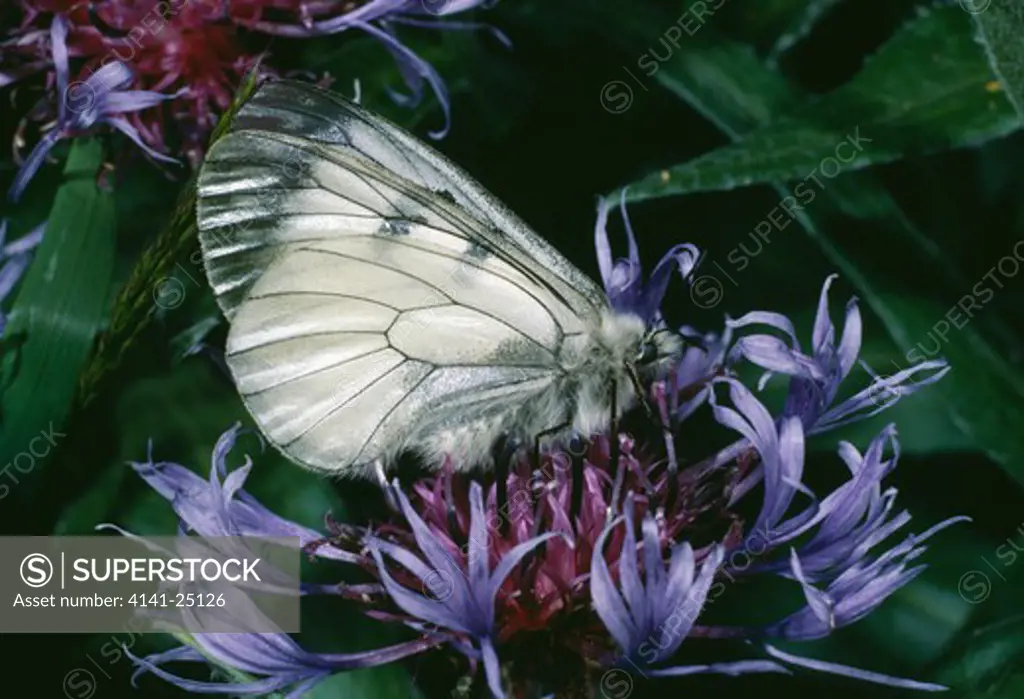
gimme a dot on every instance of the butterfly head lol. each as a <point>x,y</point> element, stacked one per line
<point>657,352</point>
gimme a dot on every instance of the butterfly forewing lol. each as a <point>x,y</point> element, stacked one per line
<point>303,110</point>
<point>379,300</point>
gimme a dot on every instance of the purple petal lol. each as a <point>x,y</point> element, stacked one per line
<point>137,100</point>
<point>509,561</point>
<point>682,257</point>
<point>849,344</point>
<point>110,77</point>
<point>823,334</point>
<point>25,243</point>
<point>441,8</point>
<point>201,506</point>
<point>415,70</point>
<point>733,669</point>
<point>601,243</point>
<point>859,489</point>
<point>846,671</point>
<point>634,250</point>
<point>771,353</point>
<point>32,164</point>
<point>131,132</point>
<point>654,569</point>
<point>818,602</point>
<point>752,419</point>
<point>461,606</point>
<point>257,687</point>
<point>418,605</point>
<point>775,320</point>
<point>174,654</point>
<point>437,556</point>
<point>680,574</point>
<point>11,272</point>
<point>629,573</point>
<point>867,403</point>
<point>59,49</point>
<point>492,668</point>
<point>607,602</point>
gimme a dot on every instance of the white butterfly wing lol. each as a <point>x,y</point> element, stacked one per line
<point>378,298</point>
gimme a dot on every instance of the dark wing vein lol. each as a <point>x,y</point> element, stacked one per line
<point>406,273</point>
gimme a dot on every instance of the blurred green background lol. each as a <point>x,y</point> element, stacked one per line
<point>736,114</point>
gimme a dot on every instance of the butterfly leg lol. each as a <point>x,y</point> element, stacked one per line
<point>503,453</point>
<point>578,453</point>
<point>660,391</point>
<point>382,481</point>
<point>541,435</point>
<point>449,501</point>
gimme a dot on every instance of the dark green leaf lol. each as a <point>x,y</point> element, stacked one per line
<point>61,305</point>
<point>928,89</point>
<point>989,662</point>
<point>1001,32</point>
<point>388,681</point>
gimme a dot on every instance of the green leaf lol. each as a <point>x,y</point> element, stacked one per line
<point>1001,32</point>
<point>386,681</point>
<point>989,662</point>
<point>60,308</point>
<point>928,89</point>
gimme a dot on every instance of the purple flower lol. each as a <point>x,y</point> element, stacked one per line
<point>378,18</point>
<point>650,618</point>
<point>858,591</point>
<point>815,378</point>
<point>623,278</point>
<point>700,361</point>
<point>218,506</point>
<point>460,601</point>
<point>487,572</point>
<point>98,99</point>
<point>275,662</point>
<point>14,260</point>
<point>781,452</point>
<point>201,52</point>
<point>855,515</point>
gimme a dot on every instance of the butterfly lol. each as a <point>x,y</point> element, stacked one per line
<point>381,302</point>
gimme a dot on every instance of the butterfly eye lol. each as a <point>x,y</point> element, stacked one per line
<point>647,353</point>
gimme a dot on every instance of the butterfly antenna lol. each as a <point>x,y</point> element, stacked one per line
<point>613,455</point>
